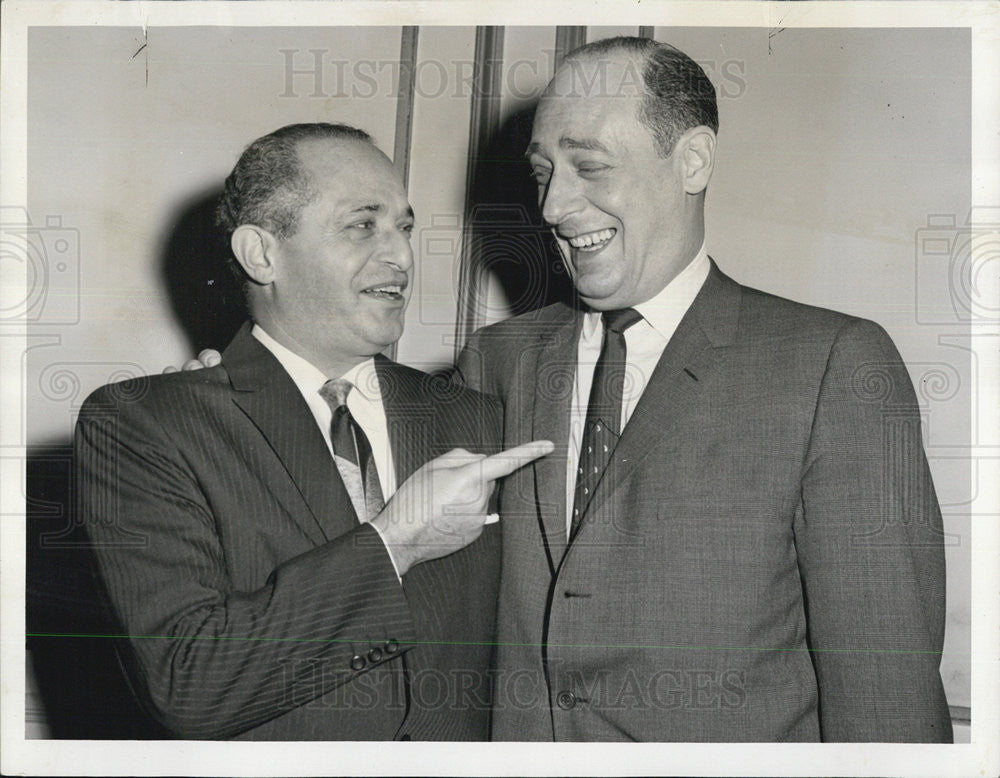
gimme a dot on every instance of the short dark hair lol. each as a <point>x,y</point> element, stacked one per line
<point>268,187</point>
<point>679,95</point>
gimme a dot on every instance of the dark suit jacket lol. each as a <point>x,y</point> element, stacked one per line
<point>763,559</point>
<point>255,603</point>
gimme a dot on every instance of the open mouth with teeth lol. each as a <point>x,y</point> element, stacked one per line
<point>388,292</point>
<point>592,241</point>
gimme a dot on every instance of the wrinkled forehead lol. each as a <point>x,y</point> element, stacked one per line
<point>588,95</point>
<point>347,157</point>
<point>571,120</point>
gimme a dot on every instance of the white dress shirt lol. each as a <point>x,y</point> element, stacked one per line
<point>364,402</point>
<point>644,344</point>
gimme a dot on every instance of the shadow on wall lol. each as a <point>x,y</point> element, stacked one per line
<point>205,295</point>
<point>509,239</point>
<point>81,690</point>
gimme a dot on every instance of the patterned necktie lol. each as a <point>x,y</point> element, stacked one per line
<point>604,410</point>
<point>352,452</point>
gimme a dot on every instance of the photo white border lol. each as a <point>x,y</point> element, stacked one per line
<point>61,757</point>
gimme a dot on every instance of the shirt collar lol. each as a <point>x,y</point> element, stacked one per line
<point>309,378</point>
<point>365,380</point>
<point>664,310</point>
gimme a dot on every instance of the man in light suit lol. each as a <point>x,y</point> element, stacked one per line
<point>737,538</point>
<point>271,580</point>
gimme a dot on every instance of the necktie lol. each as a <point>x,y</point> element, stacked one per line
<point>604,410</point>
<point>352,452</point>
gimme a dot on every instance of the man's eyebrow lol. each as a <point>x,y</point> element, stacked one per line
<point>368,208</point>
<point>378,208</point>
<point>565,142</point>
<point>587,144</point>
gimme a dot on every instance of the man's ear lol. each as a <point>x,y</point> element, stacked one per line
<point>253,248</point>
<point>697,157</point>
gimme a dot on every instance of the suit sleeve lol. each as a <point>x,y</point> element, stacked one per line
<point>870,548</point>
<point>216,661</point>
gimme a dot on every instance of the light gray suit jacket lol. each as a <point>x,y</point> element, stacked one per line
<point>763,559</point>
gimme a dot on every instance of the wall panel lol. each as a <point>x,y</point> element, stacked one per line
<point>438,153</point>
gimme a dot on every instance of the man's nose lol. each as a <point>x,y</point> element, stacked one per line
<point>560,198</point>
<point>397,250</point>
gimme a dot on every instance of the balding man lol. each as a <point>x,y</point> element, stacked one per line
<point>737,538</point>
<point>272,581</point>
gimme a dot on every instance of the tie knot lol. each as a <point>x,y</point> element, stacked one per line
<point>621,320</point>
<point>335,392</point>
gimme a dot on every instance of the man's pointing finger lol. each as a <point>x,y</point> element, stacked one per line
<point>506,462</point>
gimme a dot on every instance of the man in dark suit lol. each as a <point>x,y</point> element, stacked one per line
<point>272,581</point>
<point>737,538</point>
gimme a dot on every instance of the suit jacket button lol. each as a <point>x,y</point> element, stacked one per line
<point>375,654</point>
<point>405,737</point>
<point>566,700</point>
<point>357,662</point>
<point>391,646</point>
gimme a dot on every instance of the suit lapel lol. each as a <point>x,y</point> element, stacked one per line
<point>684,369</point>
<point>551,384</point>
<point>413,401</point>
<point>409,416</point>
<point>271,400</point>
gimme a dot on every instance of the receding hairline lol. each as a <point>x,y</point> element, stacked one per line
<point>620,47</point>
<point>302,145</point>
<point>619,55</point>
<point>353,203</point>
<point>673,93</point>
<point>306,147</point>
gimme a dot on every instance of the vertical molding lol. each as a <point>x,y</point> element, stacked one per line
<point>484,122</point>
<point>567,39</point>
<point>404,101</point>
<point>404,115</point>
<point>646,32</point>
